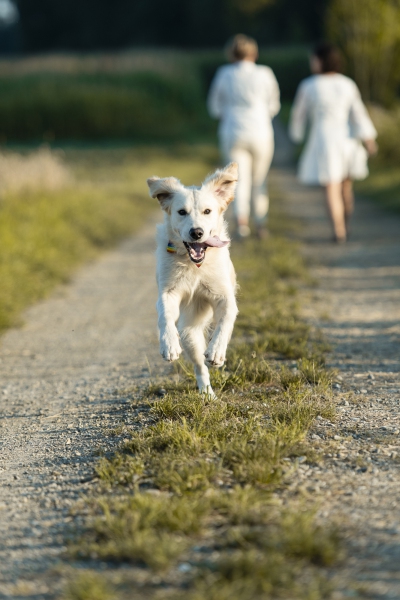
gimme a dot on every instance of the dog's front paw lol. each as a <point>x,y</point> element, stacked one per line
<point>215,355</point>
<point>208,392</point>
<point>170,348</point>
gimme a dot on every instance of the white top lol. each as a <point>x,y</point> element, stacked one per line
<point>332,104</point>
<point>245,97</point>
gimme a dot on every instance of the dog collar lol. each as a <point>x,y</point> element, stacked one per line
<point>171,247</point>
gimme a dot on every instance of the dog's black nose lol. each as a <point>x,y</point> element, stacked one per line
<point>196,233</point>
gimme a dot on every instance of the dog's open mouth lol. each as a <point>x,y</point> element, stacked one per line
<point>196,251</point>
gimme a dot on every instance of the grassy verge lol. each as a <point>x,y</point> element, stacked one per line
<point>192,504</point>
<point>57,211</point>
<point>145,106</point>
<point>382,186</point>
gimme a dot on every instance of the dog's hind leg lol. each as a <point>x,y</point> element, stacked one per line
<point>192,323</point>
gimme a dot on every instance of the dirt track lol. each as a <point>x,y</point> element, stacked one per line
<point>58,375</point>
<point>59,372</point>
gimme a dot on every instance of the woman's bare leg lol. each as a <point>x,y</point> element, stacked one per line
<point>336,210</point>
<point>348,200</point>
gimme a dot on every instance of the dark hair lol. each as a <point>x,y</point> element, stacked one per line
<point>330,57</point>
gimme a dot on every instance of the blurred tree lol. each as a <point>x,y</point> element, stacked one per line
<point>368,31</point>
<point>251,7</point>
<point>109,24</point>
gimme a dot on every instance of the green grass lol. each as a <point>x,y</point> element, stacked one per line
<point>383,183</point>
<point>140,106</point>
<point>191,500</point>
<point>382,186</point>
<point>47,232</point>
<point>89,586</point>
<point>284,114</point>
<point>136,95</point>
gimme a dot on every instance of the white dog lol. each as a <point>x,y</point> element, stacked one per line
<point>195,276</point>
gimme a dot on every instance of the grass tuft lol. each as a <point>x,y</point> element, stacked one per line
<point>89,586</point>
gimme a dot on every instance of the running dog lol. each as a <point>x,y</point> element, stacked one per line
<point>195,276</point>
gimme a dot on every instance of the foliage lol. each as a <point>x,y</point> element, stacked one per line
<point>190,496</point>
<point>143,106</point>
<point>106,24</point>
<point>369,33</point>
<point>137,95</point>
<point>252,7</point>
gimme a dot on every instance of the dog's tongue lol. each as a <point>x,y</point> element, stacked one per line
<point>215,242</point>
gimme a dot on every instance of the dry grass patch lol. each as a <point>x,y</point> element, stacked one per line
<point>60,209</point>
<point>40,169</point>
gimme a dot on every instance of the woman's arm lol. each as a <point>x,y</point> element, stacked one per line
<point>361,122</point>
<point>299,115</point>
<point>215,100</point>
<point>274,99</point>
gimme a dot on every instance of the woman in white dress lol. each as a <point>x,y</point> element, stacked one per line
<point>245,97</point>
<point>341,135</point>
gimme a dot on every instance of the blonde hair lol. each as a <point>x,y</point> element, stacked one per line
<point>242,47</point>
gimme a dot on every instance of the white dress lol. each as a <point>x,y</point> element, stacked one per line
<point>245,97</point>
<point>339,121</point>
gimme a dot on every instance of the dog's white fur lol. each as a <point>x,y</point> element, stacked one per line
<point>191,298</point>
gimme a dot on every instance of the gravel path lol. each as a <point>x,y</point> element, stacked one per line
<point>99,333</point>
<point>58,376</point>
<point>357,305</point>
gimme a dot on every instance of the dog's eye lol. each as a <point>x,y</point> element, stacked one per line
<point>182,212</point>
<point>207,211</point>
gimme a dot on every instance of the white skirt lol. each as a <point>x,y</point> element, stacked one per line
<point>332,161</point>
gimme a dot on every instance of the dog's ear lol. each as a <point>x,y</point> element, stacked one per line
<point>222,183</point>
<point>163,189</point>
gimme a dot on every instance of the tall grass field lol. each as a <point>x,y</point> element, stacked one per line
<point>139,95</point>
